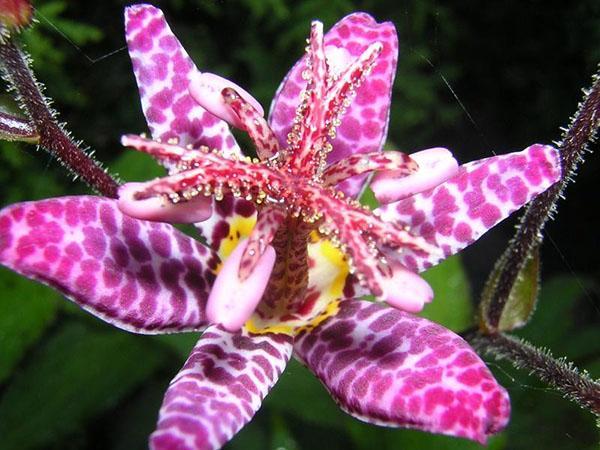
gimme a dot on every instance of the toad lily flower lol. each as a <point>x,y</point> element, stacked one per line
<point>289,251</point>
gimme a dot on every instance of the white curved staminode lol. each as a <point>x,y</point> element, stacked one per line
<point>158,209</point>
<point>436,165</point>
<point>406,290</point>
<point>206,89</point>
<point>231,302</point>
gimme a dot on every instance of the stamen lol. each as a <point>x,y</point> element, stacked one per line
<point>353,165</point>
<point>209,173</point>
<point>255,125</point>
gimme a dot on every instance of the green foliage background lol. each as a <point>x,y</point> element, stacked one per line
<point>476,78</point>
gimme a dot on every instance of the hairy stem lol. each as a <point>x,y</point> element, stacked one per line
<point>558,373</point>
<point>51,135</point>
<point>573,145</point>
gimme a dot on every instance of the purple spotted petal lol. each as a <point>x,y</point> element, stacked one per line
<point>364,126</point>
<point>163,70</point>
<point>220,387</point>
<point>141,276</point>
<point>391,368</point>
<point>457,212</point>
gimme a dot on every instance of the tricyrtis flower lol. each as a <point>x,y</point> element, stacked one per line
<point>290,251</point>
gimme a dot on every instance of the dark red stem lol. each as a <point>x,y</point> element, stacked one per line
<point>52,136</point>
<point>572,148</point>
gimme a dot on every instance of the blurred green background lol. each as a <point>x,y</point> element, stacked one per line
<point>474,77</point>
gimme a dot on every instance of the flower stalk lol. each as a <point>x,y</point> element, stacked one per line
<point>572,147</point>
<point>52,135</point>
<point>558,373</point>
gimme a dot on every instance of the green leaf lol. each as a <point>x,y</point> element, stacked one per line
<point>181,343</point>
<point>79,373</point>
<point>282,437</point>
<point>299,393</point>
<point>522,299</point>
<point>134,166</point>
<point>451,305</point>
<point>367,436</point>
<point>523,296</point>
<point>26,309</point>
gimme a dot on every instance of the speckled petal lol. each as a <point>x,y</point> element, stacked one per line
<point>457,212</point>
<point>163,69</point>
<point>391,368</point>
<point>220,387</point>
<point>364,126</point>
<point>141,276</point>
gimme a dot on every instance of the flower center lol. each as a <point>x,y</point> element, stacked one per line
<point>294,190</point>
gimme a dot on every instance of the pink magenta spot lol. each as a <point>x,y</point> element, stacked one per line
<point>162,99</point>
<point>180,83</point>
<point>18,212</point>
<point>128,295</point>
<point>111,275</point>
<point>53,232</point>
<point>469,377</point>
<point>355,48</point>
<point>343,31</point>
<point>463,232</point>
<point>155,27</point>
<point>414,405</point>
<point>229,142</point>
<point>533,175</point>
<point>372,129</point>
<point>141,42</point>
<point>444,224</point>
<point>365,95</point>
<point>90,266</point>
<point>168,43</point>
<point>465,359</point>
<point>380,68</point>
<point>181,64</point>
<point>108,220</point>
<point>155,115</point>
<point>214,142</point>
<point>51,253</point>
<point>518,190</point>
<point>350,128</point>
<point>5,224</point>
<point>490,214</point>
<point>73,251</point>
<point>368,113</point>
<point>183,106</point>
<point>209,120</point>
<point>379,87</point>
<point>94,242</point>
<point>160,243</point>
